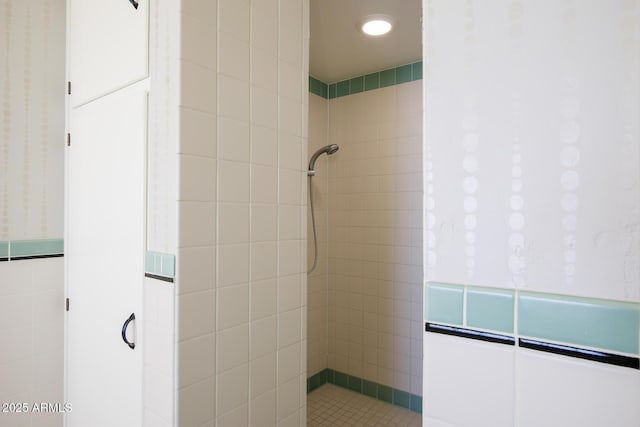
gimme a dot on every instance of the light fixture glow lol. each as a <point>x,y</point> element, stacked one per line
<point>376,25</point>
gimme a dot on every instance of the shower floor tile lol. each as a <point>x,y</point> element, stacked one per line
<point>332,406</point>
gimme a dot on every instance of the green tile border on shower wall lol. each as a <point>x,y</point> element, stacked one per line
<point>26,249</point>
<point>490,309</point>
<point>318,88</point>
<point>444,303</point>
<point>372,389</point>
<point>160,264</point>
<point>380,79</point>
<point>610,325</point>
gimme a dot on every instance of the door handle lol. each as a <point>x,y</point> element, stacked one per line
<point>134,3</point>
<point>131,345</point>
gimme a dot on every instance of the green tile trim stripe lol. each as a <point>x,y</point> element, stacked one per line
<point>15,250</point>
<point>4,251</point>
<point>160,264</point>
<point>380,79</point>
<point>318,88</point>
<point>444,303</point>
<point>385,393</point>
<point>611,326</point>
<point>490,309</point>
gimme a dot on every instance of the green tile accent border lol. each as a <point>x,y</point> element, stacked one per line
<point>444,303</point>
<point>490,309</point>
<point>611,325</point>
<point>35,248</point>
<point>393,76</point>
<point>318,88</point>
<point>4,251</point>
<point>160,264</point>
<point>368,388</point>
<point>591,323</point>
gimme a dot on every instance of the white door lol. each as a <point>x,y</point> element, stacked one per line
<point>108,46</point>
<point>104,255</point>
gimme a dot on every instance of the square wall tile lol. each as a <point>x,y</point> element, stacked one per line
<point>264,261</point>
<point>263,298</point>
<point>195,403</point>
<point>233,140</point>
<point>372,81</point>
<point>233,223</point>
<point>388,77</point>
<point>197,269</point>
<point>263,375</point>
<point>196,222</point>
<point>444,303</point>
<point>263,410</point>
<point>264,184</point>
<point>197,178</point>
<point>233,264</point>
<point>264,67</point>
<point>233,306</point>
<point>236,417</point>
<point>233,181</point>
<point>197,133</point>
<point>198,89</point>
<point>195,30</point>
<point>233,56</point>
<point>288,398</point>
<point>356,85</point>
<point>609,325</point>
<point>403,74</point>
<point>197,359</point>
<point>289,328</point>
<point>235,384</point>
<point>264,107</point>
<point>233,98</point>
<point>197,313</point>
<point>491,309</point>
<point>264,145</point>
<point>264,335</point>
<point>343,88</point>
<point>234,18</point>
<point>477,373</point>
<point>232,347</point>
<point>289,363</point>
<point>562,391</point>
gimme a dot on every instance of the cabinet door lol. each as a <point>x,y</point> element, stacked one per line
<point>108,46</point>
<point>105,259</point>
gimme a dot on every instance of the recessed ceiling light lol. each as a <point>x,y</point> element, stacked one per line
<point>376,25</point>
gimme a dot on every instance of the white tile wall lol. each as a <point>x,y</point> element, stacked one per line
<point>31,322</point>
<point>241,299</point>
<point>368,201</point>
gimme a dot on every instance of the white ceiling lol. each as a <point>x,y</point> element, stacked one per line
<point>339,50</point>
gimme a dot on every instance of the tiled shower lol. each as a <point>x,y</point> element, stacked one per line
<point>365,297</point>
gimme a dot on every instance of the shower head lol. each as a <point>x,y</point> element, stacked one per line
<point>328,150</point>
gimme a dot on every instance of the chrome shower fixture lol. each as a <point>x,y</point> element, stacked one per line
<point>328,149</point>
